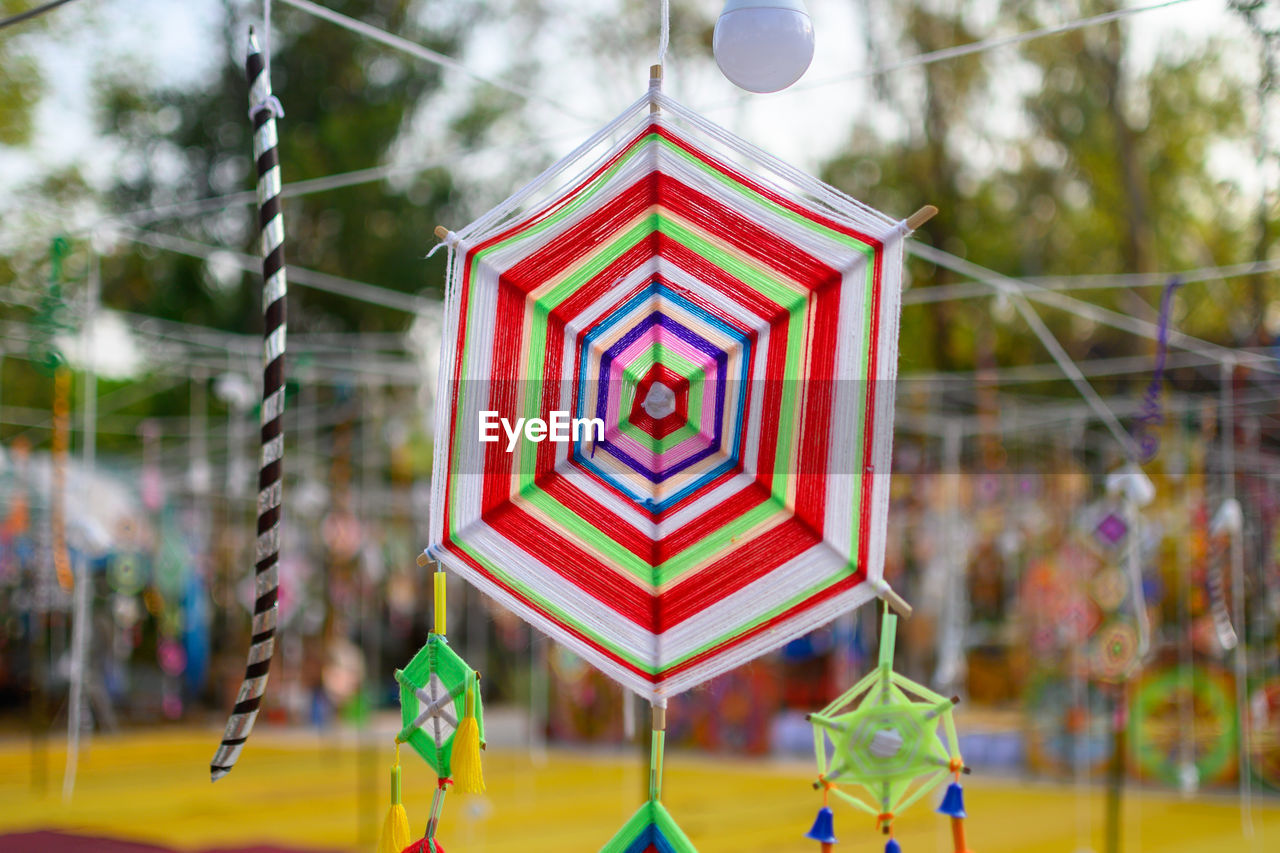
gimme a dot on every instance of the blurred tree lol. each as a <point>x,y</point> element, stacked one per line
<point>348,101</point>
<point>21,84</point>
<point>1075,160</point>
<point>1263,21</point>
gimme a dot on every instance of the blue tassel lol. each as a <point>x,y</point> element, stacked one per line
<point>953,801</point>
<point>892,846</point>
<point>824,829</point>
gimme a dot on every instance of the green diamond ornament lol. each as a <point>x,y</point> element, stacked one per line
<point>433,695</point>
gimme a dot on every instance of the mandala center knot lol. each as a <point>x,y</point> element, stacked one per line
<point>885,743</point>
<point>659,402</point>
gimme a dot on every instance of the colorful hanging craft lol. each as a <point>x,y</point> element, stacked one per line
<point>666,398</point>
<point>1264,732</point>
<point>882,746</point>
<point>442,719</point>
<point>665,403</point>
<point>263,111</point>
<point>1180,711</point>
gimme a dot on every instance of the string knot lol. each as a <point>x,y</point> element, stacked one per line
<point>271,104</point>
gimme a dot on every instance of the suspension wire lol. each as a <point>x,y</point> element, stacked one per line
<point>350,288</point>
<point>421,52</point>
<point>31,13</point>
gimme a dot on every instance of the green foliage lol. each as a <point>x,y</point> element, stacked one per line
<point>21,84</point>
<point>1108,169</point>
<point>347,102</point>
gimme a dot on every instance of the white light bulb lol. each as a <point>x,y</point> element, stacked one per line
<point>763,45</point>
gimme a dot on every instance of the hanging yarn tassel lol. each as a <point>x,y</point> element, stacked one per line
<point>395,835</point>
<point>467,774</point>
<point>824,830</point>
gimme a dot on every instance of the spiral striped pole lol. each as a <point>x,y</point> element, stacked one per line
<point>263,110</point>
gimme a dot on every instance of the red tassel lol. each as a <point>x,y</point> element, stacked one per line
<point>425,845</point>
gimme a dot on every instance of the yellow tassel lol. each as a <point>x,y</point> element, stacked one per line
<point>395,828</point>
<point>467,774</point>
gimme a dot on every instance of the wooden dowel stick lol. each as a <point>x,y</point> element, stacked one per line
<point>442,232</point>
<point>898,603</point>
<point>655,74</point>
<point>921,216</point>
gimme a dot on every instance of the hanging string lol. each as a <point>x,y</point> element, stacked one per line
<point>31,13</point>
<point>350,288</point>
<point>1018,297</point>
<point>664,37</point>
<point>414,49</point>
<point>266,36</point>
<point>1152,412</point>
<point>1240,659</point>
<point>960,50</point>
<point>265,99</point>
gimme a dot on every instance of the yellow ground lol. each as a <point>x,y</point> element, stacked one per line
<point>299,790</point>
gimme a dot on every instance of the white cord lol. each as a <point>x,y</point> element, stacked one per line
<point>1016,294</point>
<point>966,49</point>
<point>266,36</point>
<point>421,52</point>
<point>664,37</point>
<point>1087,310</point>
<point>313,279</point>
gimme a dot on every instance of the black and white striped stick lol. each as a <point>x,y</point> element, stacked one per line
<point>263,110</point>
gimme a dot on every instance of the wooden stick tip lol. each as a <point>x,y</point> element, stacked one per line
<point>898,604</point>
<point>655,72</point>
<point>921,216</point>
<point>442,232</point>
<point>423,559</point>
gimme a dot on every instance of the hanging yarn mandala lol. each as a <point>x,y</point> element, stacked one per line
<point>1114,651</point>
<point>665,407</point>
<point>700,343</point>
<point>1160,735</point>
<point>1067,727</point>
<point>438,692</point>
<point>437,689</point>
<point>650,830</point>
<point>442,719</point>
<point>1109,588</point>
<point>883,745</point>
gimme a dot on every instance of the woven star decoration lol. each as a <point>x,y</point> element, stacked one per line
<point>887,741</point>
<point>434,691</point>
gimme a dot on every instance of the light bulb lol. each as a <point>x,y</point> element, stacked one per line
<point>763,45</point>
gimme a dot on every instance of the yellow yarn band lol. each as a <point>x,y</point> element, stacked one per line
<point>440,611</point>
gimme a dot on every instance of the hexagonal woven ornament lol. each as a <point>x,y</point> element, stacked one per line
<point>433,701</point>
<point>704,341</point>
